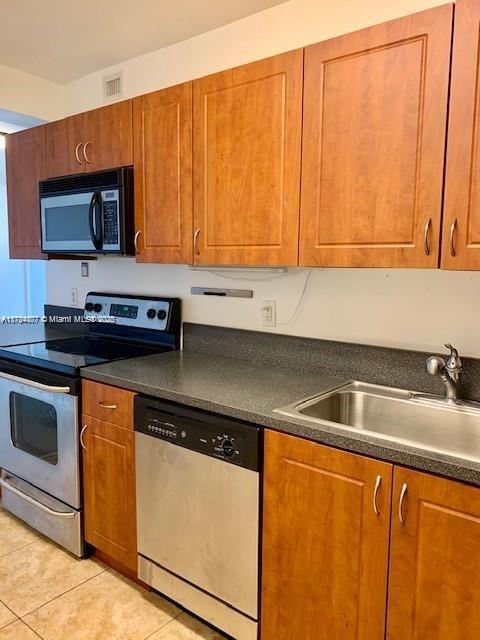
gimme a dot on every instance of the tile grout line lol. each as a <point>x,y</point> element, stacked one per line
<point>9,553</point>
<point>163,625</point>
<point>22,618</point>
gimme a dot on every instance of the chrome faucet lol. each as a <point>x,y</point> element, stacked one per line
<point>448,371</point>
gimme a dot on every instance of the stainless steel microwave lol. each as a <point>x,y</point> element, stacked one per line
<point>88,213</point>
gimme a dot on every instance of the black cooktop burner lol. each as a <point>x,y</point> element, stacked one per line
<point>71,354</point>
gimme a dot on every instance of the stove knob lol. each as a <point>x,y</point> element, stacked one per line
<point>151,313</point>
<point>89,307</point>
<point>162,314</point>
<point>228,448</point>
<point>97,307</point>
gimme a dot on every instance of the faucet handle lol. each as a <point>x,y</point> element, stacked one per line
<point>454,362</point>
<point>453,351</point>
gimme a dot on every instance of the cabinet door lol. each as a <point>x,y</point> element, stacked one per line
<point>375,108</point>
<point>247,137</point>
<point>108,136</point>
<point>325,542</point>
<point>64,147</point>
<point>434,583</point>
<point>25,155</point>
<point>163,175</point>
<point>109,490</point>
<point>461,232</point>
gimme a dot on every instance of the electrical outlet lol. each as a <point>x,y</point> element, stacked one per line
<point>269,313</point>
<point>74,297</point>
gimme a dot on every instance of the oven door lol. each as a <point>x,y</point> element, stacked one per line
<point>39,440</point>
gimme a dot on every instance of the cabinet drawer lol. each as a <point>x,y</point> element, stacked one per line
<point>108,403</point>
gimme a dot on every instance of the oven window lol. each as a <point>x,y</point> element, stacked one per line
<point>69,222</point>
<point>34,427</point>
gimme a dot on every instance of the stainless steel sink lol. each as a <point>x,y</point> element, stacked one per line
<point>427,422</point>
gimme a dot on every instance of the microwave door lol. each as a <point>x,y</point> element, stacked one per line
<point>95,220</point>
<point>65,223</point>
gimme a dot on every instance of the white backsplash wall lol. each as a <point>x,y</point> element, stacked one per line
<point>412,309</point>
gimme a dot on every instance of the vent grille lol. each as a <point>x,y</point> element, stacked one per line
<point>113,86</point>
<point>83,182</point>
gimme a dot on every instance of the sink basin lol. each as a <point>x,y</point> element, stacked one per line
<point>396,415</point>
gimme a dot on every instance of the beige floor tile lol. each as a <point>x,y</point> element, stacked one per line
<point>14,534</point>
<point>17,631</point>
<point>108,607</point>
<point>186,628</point>
<point>6,616</point>
<point>34,575</point>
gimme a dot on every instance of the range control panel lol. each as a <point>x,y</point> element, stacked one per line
<point>216,436</point>
<point>141,313</point>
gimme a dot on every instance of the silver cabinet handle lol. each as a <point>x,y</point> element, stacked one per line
<point>81,437</point>
<point>195,241</point>
<point>77,149</point>
<point>135,241</point>
<point>107,406</point>
<point>426,246</point>
<point>39,505</point>
<point>453,228</point>
<point>85,147</point>
<point>35,385</point>
<point>403,493</point>
<point>378,482</point>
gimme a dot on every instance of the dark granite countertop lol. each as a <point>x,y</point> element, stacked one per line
<point>251,391</point>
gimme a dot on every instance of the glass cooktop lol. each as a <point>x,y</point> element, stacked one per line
<point>70,354</point>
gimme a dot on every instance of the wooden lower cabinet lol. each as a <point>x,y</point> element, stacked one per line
<point>109,490</point>
<point>325,542</point>
<point>434,583</point>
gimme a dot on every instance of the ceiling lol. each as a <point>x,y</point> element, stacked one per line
<point>61,40</point>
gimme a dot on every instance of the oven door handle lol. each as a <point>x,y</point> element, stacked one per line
<point>35,385</point>
<point>36,503</point>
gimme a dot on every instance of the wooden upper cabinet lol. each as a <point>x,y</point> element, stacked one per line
<point>461,232</point>
<point>164,175</point>
<point>434,580</point>
<point>375,108</point>
<point>247,138</point>
<point>25,154</point>
<point>325,542</point>
<point>108,137</point>
<point>90,141</point>
<point>64,147</point>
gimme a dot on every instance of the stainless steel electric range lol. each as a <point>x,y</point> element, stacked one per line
<point>40,403</point>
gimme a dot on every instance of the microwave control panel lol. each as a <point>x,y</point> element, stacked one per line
<point>110,222</point>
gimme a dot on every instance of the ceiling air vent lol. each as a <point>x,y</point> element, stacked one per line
<point>113,86</point>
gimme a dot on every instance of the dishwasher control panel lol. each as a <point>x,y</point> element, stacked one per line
<point>213,435</point>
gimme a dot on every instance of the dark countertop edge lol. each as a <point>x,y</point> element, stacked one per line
<point>457,469</point>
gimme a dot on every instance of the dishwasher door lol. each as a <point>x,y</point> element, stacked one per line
<point>198,517</point>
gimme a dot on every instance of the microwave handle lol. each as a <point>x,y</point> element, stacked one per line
<point>95,220</point>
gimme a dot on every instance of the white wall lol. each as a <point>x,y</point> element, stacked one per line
<point>405,308</point>
<point>281,28</point>
<point>25,93</point>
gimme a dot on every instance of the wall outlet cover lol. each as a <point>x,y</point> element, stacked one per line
<point>269,313</point>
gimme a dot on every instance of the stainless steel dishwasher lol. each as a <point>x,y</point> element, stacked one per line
<point>198,487</point>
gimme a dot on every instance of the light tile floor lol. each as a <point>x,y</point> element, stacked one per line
<point>47,593</point>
